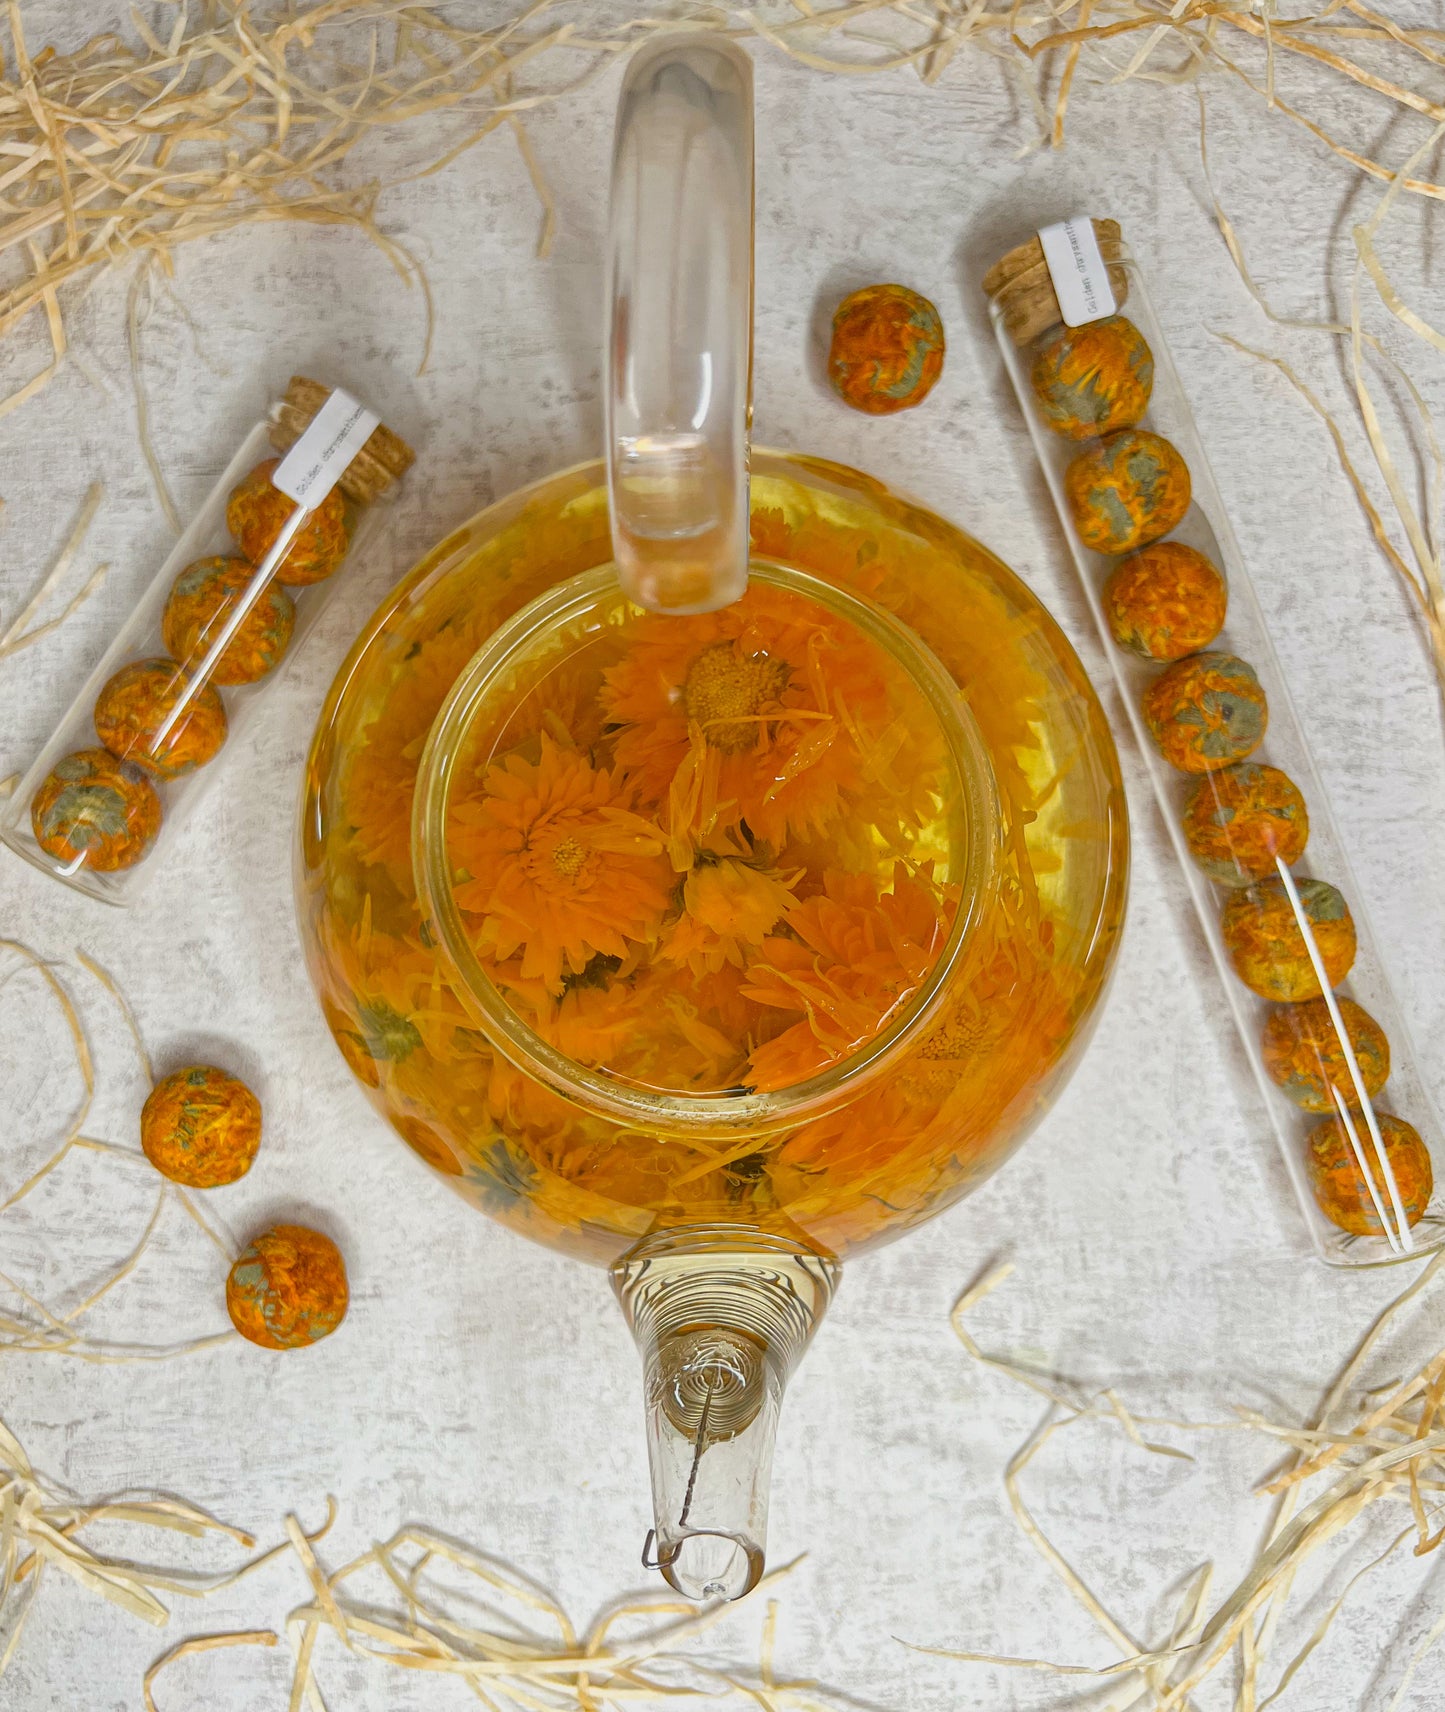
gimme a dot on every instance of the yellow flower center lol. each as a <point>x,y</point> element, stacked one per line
<point>958,1037</point>
<point>554,856</point>
<point>568,858</point>
<point>724,693</point>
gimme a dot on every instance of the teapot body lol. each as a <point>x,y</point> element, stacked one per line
<point>968,1081</point>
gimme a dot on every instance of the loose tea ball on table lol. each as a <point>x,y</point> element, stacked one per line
<point>887,349</point>
<point>201,600</point>
<point>1242,819</point>
<point>1093,379</point>
<point>1340,1188</point>
<point>1165,601</point>
<point>1303,1055</point>
<point>1205,712</point>
<point>135,704</point>
<point>1127,491</point>
<point>201,1127</point>
<point>288,1288</point>
<point>256,512</point>
<point>96,811</point>
<point>1268,950</point>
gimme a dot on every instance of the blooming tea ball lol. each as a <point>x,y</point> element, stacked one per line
<point>132,707</point>
<point>1093,379</point>
<point>287,1288</point>
<point>1266,946</point>
<point>1127,491</point>
<point>1165,601</point>
<point>202,598</point>
<point>1240,820</point>
<point>96,811</point>
<point>1303,1055</point>
<point>201,1127</point>
<point>1340,1188</point>
<point>1205,712</point>
<point>887,349</point>
<point>256,512</point>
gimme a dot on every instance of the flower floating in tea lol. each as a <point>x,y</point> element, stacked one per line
<point>853,959</point>
<point>554,864</point>
<point>729,905</point>
<point>770,714</point>
<point>708,886</point>
<point>383,769</point>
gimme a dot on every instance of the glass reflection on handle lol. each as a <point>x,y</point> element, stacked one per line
<point>679,353</point>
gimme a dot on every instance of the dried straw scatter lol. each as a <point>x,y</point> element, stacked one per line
<point>28,1323</point>
<point>115,152</point>
<point>26,628</point>
<point>241,111</point>
<point>1420,563</point>
<point>45,1532</point>
<point>1371,1446</point>
<point>420,1602</point>
<point>417,1602</point>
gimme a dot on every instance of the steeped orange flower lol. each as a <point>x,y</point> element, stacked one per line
<point>728,908</point>
<point>552,861</point>
<point>592,1024</point>
<point>768,713</point>
<point>691,1030</point>
<point>390,1011</point>
<point>660,1028</point>
<point>858,957</point>
<point>379,780</point>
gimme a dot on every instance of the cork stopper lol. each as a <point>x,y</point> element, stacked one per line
<point>383,458</point>
<point>1021,285</point>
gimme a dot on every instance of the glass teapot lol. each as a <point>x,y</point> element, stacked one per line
<point>710,864</point>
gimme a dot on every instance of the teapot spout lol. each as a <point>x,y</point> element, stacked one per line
<point>721,1315</point>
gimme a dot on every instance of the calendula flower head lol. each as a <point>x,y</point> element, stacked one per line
<point>854,957</point>
<point>394,1002</point>
<point>379,781</point>
<point>554,864</point>
<point>729,906</point>
<point>768,714</point>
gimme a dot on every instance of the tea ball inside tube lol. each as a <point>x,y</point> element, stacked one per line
<point>257,512</point>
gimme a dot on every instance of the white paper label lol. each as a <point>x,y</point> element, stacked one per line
<point>1081,280</point>
<point>318,460</point>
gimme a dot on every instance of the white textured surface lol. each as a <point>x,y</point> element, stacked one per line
<point>488,1387</point>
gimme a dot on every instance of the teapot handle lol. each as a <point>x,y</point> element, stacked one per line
<point>680,324</point>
